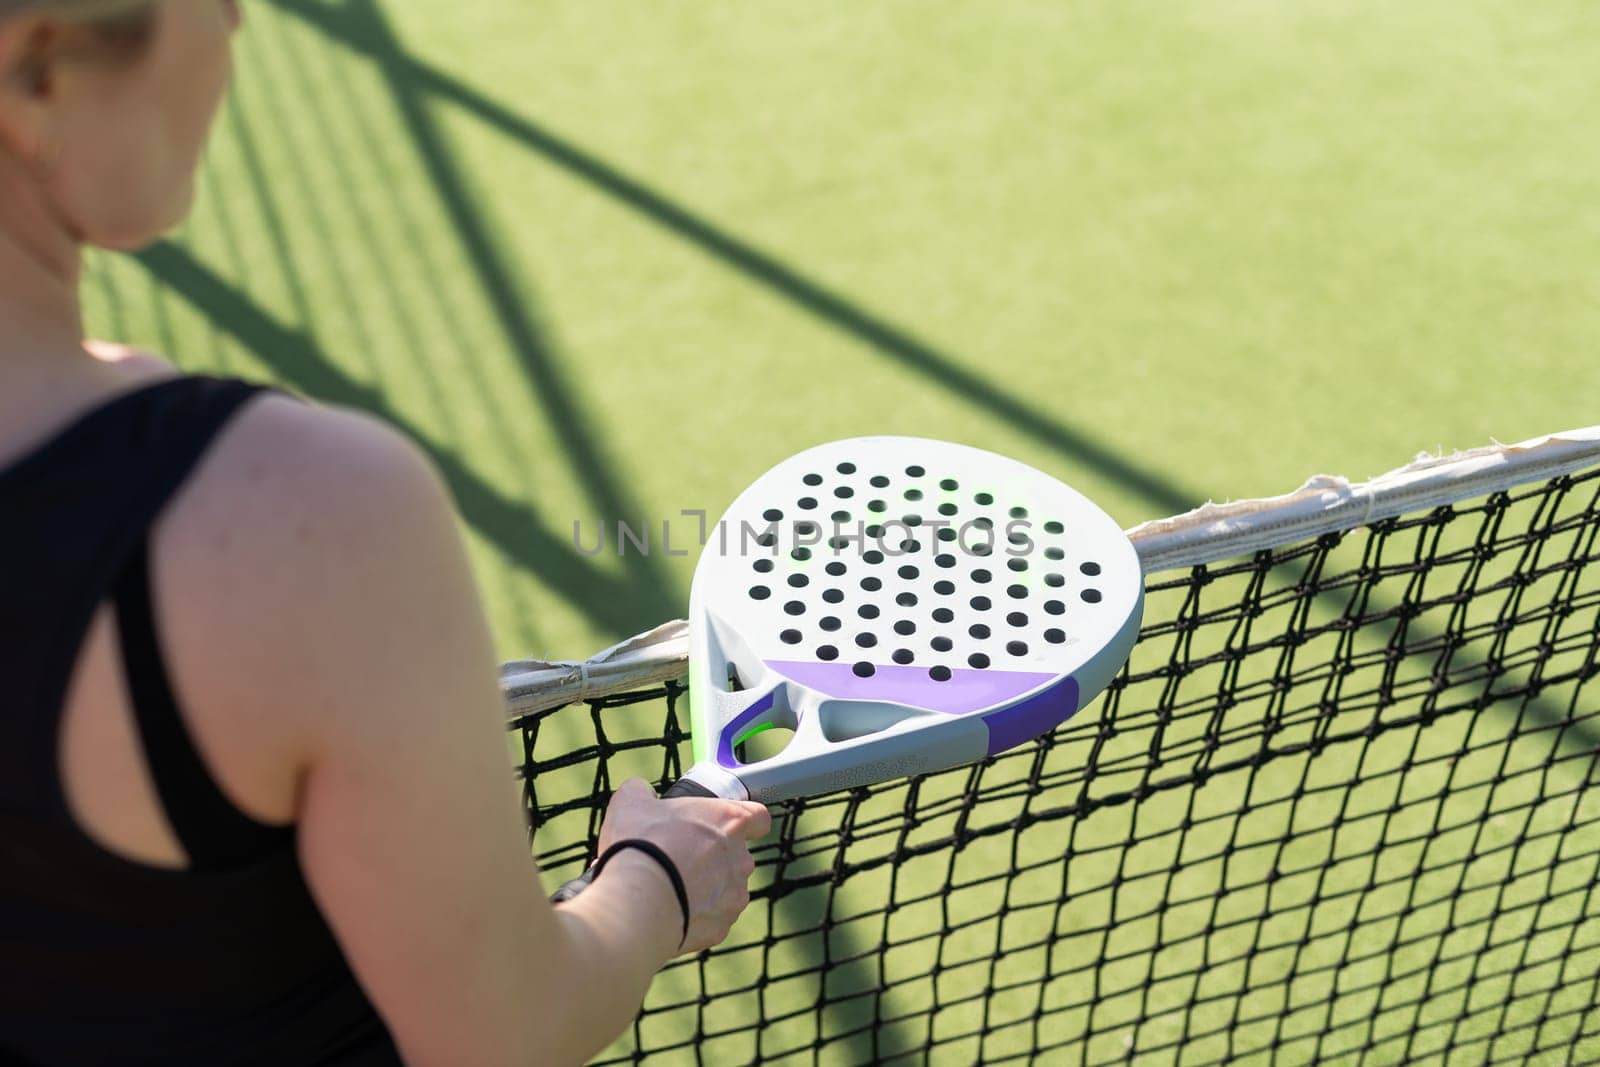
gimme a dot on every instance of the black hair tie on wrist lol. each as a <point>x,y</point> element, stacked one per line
<point>665,861</point>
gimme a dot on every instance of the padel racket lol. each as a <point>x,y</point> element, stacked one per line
<point>903,606</point>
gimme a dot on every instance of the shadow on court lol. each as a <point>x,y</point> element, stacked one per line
<point>514,526</point>
<point>348,25</point>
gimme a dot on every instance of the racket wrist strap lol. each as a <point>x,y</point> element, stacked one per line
<point>663,860</point>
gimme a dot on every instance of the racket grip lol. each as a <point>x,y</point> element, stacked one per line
<point>687,787</point>
<point>683,787</point>
<point>573,888</point>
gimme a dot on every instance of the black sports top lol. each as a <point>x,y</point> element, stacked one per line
<point>104,960</point>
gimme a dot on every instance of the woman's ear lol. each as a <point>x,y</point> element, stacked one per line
<point>30,52</point>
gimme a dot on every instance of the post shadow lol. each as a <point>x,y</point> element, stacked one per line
<point>547,384</point>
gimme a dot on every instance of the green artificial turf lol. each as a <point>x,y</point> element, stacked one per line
<point>611,260</point>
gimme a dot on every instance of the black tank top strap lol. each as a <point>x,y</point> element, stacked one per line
<point>214,833</point>
<point>95,489</point>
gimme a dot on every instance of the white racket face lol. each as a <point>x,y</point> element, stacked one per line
<point>903,605</point>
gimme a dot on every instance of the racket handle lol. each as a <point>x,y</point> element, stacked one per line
<point>572,888</point>
<point>683,787</point>
<point>687,787</point>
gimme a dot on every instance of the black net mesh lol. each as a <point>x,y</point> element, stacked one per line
<point>1338,808</point>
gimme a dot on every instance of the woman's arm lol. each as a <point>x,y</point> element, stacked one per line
<point>358,657</point>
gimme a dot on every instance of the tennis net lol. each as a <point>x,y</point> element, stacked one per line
<point>1338,808</point>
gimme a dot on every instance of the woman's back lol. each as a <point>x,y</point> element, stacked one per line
<point>228,960</point>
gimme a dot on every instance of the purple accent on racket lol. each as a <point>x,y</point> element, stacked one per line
<point>740,722</point>
<point>964,692</point>
<point>1033,717</point>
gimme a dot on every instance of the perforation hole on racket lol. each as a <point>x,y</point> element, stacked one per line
<point>897,606</point>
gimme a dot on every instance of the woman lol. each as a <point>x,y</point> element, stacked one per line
<point>254,804</point>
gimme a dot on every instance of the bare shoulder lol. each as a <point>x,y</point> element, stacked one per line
<point>284,457</point>
<point>296,575</point>
<point>293,489</point>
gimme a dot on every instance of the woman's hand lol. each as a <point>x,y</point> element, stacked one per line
<point>706,839</point>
